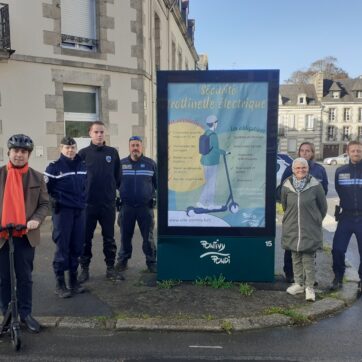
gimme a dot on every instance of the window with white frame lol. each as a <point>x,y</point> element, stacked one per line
<point>291,121</point>
<point>346,114</point>
<point>80,110</point>
<point>309,122</point>
<point>332,114</point>
<point>346,133</point>
<point>78,24</point>
<point>360,132</point>
<point>359,94</point>
<point>331,133</point>
<point>359,114</point>
<point>336,94</point>
<point>292,145</point>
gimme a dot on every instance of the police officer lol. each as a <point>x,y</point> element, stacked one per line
<point>23,201</point>
<point>348,184</point>
<point>66,180</point>
<point>137,193</point>
<point>103,173</point>
<point>307,151</point>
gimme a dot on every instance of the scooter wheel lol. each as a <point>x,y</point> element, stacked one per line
<point>15,339</point>
<point>234,207</point>
<point>190,211</point>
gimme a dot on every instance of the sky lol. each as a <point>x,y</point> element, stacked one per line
<point>278,34</point>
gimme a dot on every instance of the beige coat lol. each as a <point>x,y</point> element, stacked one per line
<point>36,200</point>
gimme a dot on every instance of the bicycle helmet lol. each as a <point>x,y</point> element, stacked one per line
<point>21,141</point>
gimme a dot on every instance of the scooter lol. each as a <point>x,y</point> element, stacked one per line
<point>230,203</point>
<point>11,318</point>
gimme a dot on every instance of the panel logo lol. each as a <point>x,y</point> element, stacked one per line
<point>216,253</point>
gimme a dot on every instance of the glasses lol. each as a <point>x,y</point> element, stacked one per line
<point>135,138</point>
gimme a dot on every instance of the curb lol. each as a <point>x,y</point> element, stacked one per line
<point>308,313</point>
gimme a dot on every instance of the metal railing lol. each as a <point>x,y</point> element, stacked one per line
<point>4,27</point>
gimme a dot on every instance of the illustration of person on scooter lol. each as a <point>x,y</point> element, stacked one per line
<point>210,159</point>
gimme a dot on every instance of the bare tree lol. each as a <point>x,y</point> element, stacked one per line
<point>326,65</point>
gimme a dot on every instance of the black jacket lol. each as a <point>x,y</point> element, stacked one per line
<point>103,174</point>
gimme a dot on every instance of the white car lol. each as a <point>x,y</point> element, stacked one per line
<point>340,160</point>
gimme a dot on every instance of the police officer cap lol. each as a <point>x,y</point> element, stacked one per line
<point>68,141</point>
<point>21,141</point>
<point>211,119</point>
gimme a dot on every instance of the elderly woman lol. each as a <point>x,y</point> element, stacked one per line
<point>305,206</point>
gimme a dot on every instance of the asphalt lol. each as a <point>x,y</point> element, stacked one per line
<point>141,303</point>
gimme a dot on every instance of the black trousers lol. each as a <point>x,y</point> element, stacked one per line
<point>23,260</point>
<point>68,234</point>
<point>128,216</point>
<point>106,216</point>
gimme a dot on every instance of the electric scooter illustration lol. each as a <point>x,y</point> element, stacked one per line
<point>230,203</point>
<point>11,318</point>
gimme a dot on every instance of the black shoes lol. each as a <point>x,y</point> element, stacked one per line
<point>84,275</point>
<point>152,268</point>
<point>62,291</point>
<point>74,285</point>
<point>31,324</point>
<point>121,266</point>
<point>113,274</point>
<point>336,284</point>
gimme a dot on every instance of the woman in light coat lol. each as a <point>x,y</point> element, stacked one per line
<point>305,206</point>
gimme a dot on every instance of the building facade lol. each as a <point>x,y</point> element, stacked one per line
<point>327,113</point>
<point>66,63</point>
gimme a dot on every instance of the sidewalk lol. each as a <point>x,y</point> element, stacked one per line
<point>139,303</point>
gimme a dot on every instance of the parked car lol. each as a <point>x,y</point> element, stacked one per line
<point>283,161</point>
<point>340,160</point>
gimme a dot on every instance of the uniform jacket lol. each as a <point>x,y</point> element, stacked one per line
<point>36,200</point>
<point>213,157</point>
<point>303,215</point>
<point>348,184</point>
<point>138,181</point>
<point>103,172</point>
<point>66,181</point>
<point>315,169</point>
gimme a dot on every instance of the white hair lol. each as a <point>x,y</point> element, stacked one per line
<point>301,160</point>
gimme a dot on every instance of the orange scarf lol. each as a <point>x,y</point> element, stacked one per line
<point>13,207</point>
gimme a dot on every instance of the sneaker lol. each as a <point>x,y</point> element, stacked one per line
<point>295,289</point>
<point>336,284</point>
<point>309,294</point>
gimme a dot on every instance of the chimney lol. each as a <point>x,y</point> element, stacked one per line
<point>318,85</point>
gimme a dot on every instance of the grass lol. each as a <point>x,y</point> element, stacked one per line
<point>227,326</point>
<point>168,283</point>
<point>216,282</point>
<point>246,289</point>
<point>298,319</point>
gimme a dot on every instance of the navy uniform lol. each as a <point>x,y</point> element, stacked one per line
<point>348,184</point>
<point>66,182</point>
<point>137,193</point>
<point>103,167</point>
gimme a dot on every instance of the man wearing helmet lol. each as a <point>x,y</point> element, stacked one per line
<point>23,201</point>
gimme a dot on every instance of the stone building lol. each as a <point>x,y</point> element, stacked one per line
<point>326,112</point>
<point>66,63</point>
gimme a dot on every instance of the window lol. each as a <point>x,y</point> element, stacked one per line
<point>157,42</point>
<point>292,145</point>
<point>360,133</point>
<point>291,121</point>
<point>78,24</point>
<point>346,136</point>
<point>331,133</point>
<point>335,94</point>
<point>331,114</point>
<point>359,114</point>
<point>359,94</point>
<point>346,114</point>
<point>309,122</point>
<point>179,66</point>
<point>80,110</point>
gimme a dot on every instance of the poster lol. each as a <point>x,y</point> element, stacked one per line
<point>217,146</point>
